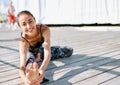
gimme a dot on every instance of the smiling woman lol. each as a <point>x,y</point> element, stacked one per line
<point>35,50</point>
<point>32,38</point>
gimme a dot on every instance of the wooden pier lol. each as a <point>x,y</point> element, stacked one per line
<point>95,61</point>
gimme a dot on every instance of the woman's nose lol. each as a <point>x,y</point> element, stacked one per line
<point>28,26</point>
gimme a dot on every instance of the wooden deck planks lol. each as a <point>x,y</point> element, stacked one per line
<point>95,61</point>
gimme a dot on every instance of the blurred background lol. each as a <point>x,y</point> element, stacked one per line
<point>96,58</point>
<point>72,12</point>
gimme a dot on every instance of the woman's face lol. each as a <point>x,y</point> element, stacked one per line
<point>27,23</point>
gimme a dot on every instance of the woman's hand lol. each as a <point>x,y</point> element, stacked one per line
<point>41,72</point>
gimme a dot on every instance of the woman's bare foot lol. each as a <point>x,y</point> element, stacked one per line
<point>32,73</point>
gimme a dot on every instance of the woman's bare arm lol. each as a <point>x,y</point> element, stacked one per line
<point>46,44</point>
<point>23,47</point>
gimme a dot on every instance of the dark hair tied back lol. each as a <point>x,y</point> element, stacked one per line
<point>24,12</point>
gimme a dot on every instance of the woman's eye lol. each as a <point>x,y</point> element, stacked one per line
<point>30,21</point>
<point>23,24</point>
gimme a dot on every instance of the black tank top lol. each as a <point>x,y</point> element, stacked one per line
<point>36,47</point>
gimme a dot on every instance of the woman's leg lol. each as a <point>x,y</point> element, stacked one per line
<point>32,72</point>
<point>60,52</point>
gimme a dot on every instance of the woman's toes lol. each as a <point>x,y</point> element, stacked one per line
<point>31,66</point>
<point>35,66</point>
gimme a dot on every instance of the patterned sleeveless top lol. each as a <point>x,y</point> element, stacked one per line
<point>34,49</point>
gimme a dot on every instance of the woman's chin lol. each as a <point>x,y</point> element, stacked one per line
<point>30,33</point>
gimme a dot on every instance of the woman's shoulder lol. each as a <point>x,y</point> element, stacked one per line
<point>23,40</point>
<point>43,27</point>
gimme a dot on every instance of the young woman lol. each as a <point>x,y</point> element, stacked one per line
<point>35,50</point>
<point>33,37</point>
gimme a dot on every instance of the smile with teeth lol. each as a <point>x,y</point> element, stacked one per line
<point>30,30</point>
